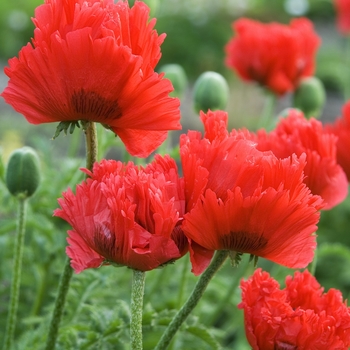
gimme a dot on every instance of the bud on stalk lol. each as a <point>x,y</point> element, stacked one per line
<point>23,172</point>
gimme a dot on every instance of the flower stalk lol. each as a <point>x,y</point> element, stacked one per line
<point>17,270</point>
<point>91,157</point>
<point>137,292</point>
<point>266,118</point>
<point>193,300</point>
<point>59,306</point>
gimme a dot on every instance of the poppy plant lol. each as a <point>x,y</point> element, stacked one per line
<point>299,317</point>
<point>342,8</point>
<point>244,200</point>
<point>294,134</point>
<point>126,215</point>
<point>276,56</point>
<point>341,129</point>
<point>94,61</point>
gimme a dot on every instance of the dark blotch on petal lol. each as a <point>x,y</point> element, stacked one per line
<point>105,242</point>
<point>91,106</point>
<point>243,241</point>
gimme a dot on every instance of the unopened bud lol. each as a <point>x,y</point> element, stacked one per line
<point>210,91</point>
<point>310,97</point>
<point>23,172</point>
<point>176,74</point>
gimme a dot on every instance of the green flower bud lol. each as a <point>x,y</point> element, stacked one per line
<point>210,91</point>
<point>23,172</point>
<point>310,97</point>
<point>176,74</point>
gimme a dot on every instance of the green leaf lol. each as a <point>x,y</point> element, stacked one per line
<point>202,333</point>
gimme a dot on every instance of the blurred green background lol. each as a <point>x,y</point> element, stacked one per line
<point>197,31</point>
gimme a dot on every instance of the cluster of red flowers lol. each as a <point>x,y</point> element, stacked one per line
<point>257,193</point>
<point>294,134</point>
<point>299,317</point>
<point>249,201</point>
<point>274,55</point>
<point>94,61</point>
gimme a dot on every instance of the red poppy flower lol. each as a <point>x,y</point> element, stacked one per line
<point>342,8</point>
<point>126,215</point>
<point>295,134</point>
<point>341,129</point>
<point>274,55</point>
<point>94,61</point>
<point>299,317</point>
<point>245,200</point>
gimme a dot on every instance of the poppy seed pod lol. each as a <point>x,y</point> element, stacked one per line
<point>176,74</point>
<point>210,92</point>
<point>310,97</point>
<point>23,172</point>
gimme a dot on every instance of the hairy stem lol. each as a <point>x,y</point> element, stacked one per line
<point>17,270</point>
<point>137,292</point>
<point>266,119</point>
<point>193,300</point>
<point>91,157</point>
<point>59,306</point>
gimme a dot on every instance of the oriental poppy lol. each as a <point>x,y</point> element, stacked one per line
<point>275,55</point>
<point>300,316</point>
<point>244,200</point>
<point>94,61</point>
<point>126,215</point>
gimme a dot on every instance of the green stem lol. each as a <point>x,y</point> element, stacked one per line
<point>266,118</point>
<point>137,292</point>
<point>193,300</point>
<point>91,157</point>
<point>241,270</point>
<point>42,284</point>
<point>91,144</point>
<point>59,306</point>
<point>184,278</point>
<point>16,277</point>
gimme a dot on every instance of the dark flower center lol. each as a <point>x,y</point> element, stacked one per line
<point>94,107</point>
<point>245,242</point>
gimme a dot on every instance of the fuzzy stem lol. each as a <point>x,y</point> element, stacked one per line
<point>193,300</point>
<point>91,157</point>
<point>137,292</point>
<point>241,270</point>
<point>59,306</point>
<point>17,269</point>
<point>91,144</point>
<point>266,118</point>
